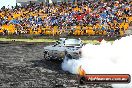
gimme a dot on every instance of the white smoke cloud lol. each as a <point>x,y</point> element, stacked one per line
<point>105,58</point>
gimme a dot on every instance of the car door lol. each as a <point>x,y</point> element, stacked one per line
<point>58,51</point>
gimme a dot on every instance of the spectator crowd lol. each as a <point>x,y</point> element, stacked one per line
<point>79,18</point>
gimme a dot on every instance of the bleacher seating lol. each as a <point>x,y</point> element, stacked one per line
<point>100,18</point>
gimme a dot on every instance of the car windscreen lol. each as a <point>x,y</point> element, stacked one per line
<point>72,42</point>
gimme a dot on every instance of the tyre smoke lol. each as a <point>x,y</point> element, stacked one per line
<point>106,58</point>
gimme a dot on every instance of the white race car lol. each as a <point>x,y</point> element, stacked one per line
<point>64,48</point>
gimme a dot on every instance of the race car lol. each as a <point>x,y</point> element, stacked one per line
<point>64,48</point>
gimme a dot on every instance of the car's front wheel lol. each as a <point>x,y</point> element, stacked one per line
<point>46,55</point>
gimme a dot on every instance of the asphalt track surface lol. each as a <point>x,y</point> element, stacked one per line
<point>22,65</point>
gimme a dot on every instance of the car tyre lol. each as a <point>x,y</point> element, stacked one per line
<point>68,56</point>
<point>46,55</point>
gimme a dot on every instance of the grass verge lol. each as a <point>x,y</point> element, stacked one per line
<point>45,40</point>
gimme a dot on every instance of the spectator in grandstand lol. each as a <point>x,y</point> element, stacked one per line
<point>87,13</point>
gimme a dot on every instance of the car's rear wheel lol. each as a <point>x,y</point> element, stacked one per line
<point>68,56</point>
<point>46,55</point>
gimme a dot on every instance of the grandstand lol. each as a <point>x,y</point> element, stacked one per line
<point>101,18</point>
<point>45,1</point>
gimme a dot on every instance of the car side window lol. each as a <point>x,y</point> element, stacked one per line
<point>57,43</point>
